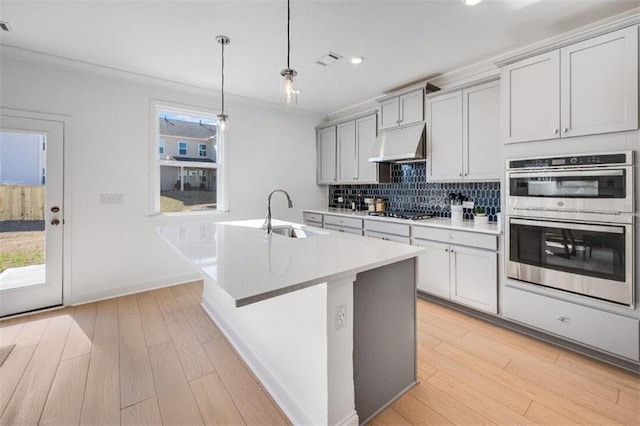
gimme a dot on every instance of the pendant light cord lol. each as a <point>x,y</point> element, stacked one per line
<point>222,78</point>
<point>288,37</point>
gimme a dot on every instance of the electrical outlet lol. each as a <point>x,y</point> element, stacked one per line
<point>467,204</point>
<point>341,316</point>
<point>110,198</point>
<point>340,199</point>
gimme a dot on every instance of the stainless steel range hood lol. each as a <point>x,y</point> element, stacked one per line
<point>400,144</point>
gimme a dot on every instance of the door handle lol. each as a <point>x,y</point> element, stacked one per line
<point>55,222</point>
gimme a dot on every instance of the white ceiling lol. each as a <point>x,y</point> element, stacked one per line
<point>402,41</point>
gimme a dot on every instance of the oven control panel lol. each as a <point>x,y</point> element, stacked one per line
<point>569,161</point>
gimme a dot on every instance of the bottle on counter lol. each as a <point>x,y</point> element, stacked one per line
<point>353,205</point>
<point>380,206</point>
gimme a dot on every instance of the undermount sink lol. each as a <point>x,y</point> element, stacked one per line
<point>292,232</point>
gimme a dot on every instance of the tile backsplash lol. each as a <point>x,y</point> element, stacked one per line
<point>410,191</point>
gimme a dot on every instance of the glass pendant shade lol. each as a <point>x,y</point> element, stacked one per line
<point>288,89</point>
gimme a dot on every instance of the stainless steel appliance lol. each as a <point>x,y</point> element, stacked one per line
<point>570,224</point>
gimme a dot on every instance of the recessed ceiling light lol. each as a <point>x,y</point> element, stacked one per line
<point>4,26</point>
<point>357,60</point>
<point>471,2</point>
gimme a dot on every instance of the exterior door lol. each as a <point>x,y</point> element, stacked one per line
<point>31,214</point>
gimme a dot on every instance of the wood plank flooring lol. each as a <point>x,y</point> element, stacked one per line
<point>156,358</point>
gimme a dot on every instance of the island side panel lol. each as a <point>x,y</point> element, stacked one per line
<point>384,335</point>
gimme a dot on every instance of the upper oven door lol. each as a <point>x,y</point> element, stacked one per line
<point>589,189</point>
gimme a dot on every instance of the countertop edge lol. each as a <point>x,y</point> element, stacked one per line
<point>423,222</point>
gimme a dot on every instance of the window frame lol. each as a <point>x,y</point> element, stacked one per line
<point>160,146</point>
<point>156,106</point>
<point>186,148</point>
<point>201,150</point>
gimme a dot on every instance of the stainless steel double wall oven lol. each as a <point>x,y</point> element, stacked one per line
<point>570,224</point>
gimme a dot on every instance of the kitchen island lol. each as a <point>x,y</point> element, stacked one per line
<point>327,322</point>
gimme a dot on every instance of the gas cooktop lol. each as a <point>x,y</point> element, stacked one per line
<point>401,215</point>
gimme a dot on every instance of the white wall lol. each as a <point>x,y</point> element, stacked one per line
<point>21,159</point>
<point>114,249</point>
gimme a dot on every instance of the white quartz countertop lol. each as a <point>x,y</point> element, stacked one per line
<point>251,266</point>
<point>436,222</point>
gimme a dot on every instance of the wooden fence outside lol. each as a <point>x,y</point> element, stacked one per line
<point>21,202</point>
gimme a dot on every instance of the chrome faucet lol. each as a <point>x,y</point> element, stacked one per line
<point>267,221</point>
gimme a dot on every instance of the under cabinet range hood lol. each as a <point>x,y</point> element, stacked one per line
<point>400,144</point>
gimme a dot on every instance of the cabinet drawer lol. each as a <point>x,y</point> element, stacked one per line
<point>387,227</point>
<point>355,231</point>
<point>387,237</point>
<point>473,239</point>
<point>603,330</point>
<point>349,222</point>
<point>312,217</point>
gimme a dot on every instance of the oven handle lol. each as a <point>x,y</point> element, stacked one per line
<point>569,174</point>
<point>576,226</point>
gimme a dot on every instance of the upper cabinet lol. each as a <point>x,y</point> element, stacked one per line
<point>402,110</point>
<point>463,134</point>
<point>344,151</point>
<point>326,156</point>
<point>589,87</point>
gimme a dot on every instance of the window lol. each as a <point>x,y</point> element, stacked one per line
<point>182,148</point>
<point>182,183</point>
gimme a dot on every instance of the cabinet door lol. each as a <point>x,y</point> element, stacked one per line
<point>411,107</point>
<point>366,132</point>
<point>481,132</point>
<point>326,172</point>
<point>530,91</point>
<point>444,137</point>
<point>600,84</point>
<point>389,114</point>
<point>474,278</point>
<point>347,152</point>
<point>433,268</point>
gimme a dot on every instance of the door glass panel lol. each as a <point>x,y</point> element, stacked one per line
<point>569,186</point>
<point>22,209</point>
<point>596,254</point>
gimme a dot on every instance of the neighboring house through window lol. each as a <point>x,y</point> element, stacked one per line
<point>187,183</point>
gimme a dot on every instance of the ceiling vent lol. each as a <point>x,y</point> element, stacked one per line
<point>328,59</point>
<point>4,26</point>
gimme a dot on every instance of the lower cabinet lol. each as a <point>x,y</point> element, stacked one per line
<point>592,327</point>
<point>312,219</point>
<point>464,275</point>
<point>398,232</point>
<point>349,225</point>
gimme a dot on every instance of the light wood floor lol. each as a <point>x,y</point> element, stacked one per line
<point>156,358</point>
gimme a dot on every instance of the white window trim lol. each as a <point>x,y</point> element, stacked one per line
<point>222,176</point>
<point>161,146</point>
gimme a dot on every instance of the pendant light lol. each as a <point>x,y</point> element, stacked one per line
<point>288,90</point>
<point>222,117</point>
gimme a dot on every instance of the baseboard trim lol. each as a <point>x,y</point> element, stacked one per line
<point>537,334</point>
<point>292,409</point>
<point>133,288</point>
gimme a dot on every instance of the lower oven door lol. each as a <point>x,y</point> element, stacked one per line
<point>594,260</point>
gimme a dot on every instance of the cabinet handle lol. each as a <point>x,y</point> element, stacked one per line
<point>459,174</point>
<point>565,130</point>
<point>562,318</point>
<point>446,250</point>
<point>452,251</point>
<point>466,174</point>
<point>555,131</point>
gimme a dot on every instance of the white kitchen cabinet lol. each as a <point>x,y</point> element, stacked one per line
<point>599,84</point>
<point>481,132</point>
<point>347,152</point>
<point>444,137</point>
<point>464,134</point>
<point>398,232</point>
<point>312,219</point>
<point>462,274</point>
<point>350,225</point>
<point>402,110</point>
<point>366,133</point>
<point>326,152</point>
<point>613,333</point>
<point>585,88</point>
